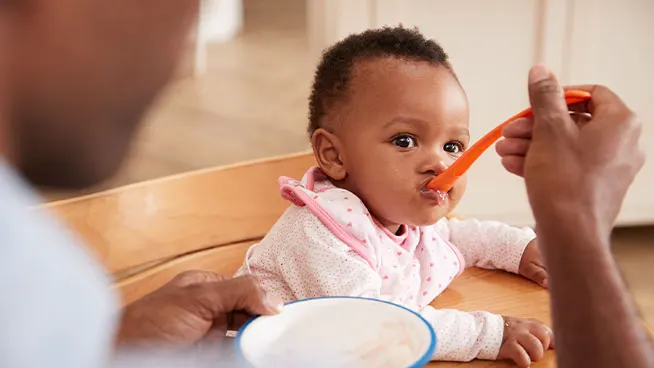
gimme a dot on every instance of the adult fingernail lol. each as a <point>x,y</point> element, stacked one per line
<point>538,73</point>
<point>274,303</point>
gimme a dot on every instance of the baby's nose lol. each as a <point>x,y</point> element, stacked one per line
<point>438,166</point>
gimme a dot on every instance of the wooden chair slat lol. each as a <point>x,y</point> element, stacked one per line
<point>224,260</point>
<point>163,218</point>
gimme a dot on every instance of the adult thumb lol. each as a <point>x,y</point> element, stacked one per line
<point>547,99</point>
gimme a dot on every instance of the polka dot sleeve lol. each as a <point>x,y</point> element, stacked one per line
<point>487,244</point>
<point>464,336</point>
<point>310,261</point>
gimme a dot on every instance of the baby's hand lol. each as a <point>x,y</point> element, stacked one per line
<point>532,266</point>
<point>525,340</point>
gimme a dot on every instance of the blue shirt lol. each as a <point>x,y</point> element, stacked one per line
<point>56,307</point>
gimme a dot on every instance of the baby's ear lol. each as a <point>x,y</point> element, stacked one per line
<point>327,149</point>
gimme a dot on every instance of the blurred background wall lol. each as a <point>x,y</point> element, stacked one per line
<point>242,90</point>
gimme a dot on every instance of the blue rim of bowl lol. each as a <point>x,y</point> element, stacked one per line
<point>421,362</point>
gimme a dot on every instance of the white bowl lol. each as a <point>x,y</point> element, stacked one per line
<point>337,332</point>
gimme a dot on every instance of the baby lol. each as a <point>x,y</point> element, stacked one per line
<point>388,114</point>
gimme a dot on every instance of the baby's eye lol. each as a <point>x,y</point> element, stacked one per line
<point>453,147</point>
<point>405,141</point>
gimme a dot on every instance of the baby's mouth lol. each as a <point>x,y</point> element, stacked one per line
<point>435,195</point>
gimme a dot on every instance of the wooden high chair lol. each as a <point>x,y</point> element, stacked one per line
<point>147,233</point>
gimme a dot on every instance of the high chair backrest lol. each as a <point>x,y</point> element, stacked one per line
<point>146,233</point>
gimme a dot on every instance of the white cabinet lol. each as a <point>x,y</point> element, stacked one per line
<point>492,45</point>
<point>613,44</point>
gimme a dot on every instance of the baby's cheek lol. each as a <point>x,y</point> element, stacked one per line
<point>388,204</point>
<point>457,191</point>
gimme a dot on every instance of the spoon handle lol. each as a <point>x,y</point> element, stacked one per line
<point>445,180</point>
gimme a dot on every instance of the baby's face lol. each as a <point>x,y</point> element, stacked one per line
<point>403,123</point>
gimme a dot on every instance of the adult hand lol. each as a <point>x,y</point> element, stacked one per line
<point>575,168</point>
<point>192,307</point>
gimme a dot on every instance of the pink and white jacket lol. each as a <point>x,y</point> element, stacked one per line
<point>328,244</point>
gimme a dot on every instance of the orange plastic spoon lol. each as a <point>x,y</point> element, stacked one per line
<point>445,180</point>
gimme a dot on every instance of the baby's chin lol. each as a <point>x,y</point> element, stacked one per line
<point>427,219</point>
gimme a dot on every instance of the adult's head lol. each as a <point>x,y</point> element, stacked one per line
<point>77,77</point>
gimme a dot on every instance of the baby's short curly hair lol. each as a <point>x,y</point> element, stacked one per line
<point>332,76</point>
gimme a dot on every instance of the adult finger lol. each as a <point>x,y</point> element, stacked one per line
<point>193,277</point>
<point>601,98</point>
<point>584,106</point>
<point>216,333</point>
<point>580,118</point>
<point>519,128</point>
<point>238,319</point>
<point>580,107</point>
<point>232,322</point>
<point>532,346</point>
<point>512,147</point>
<point>237,294</point>
<point>590,88</point>
<point>514,164</point>
<point>547,101</point>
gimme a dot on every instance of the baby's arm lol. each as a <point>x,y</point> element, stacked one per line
<point>487,244</point>
<point>301,258</point>
<point>464,336</point>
